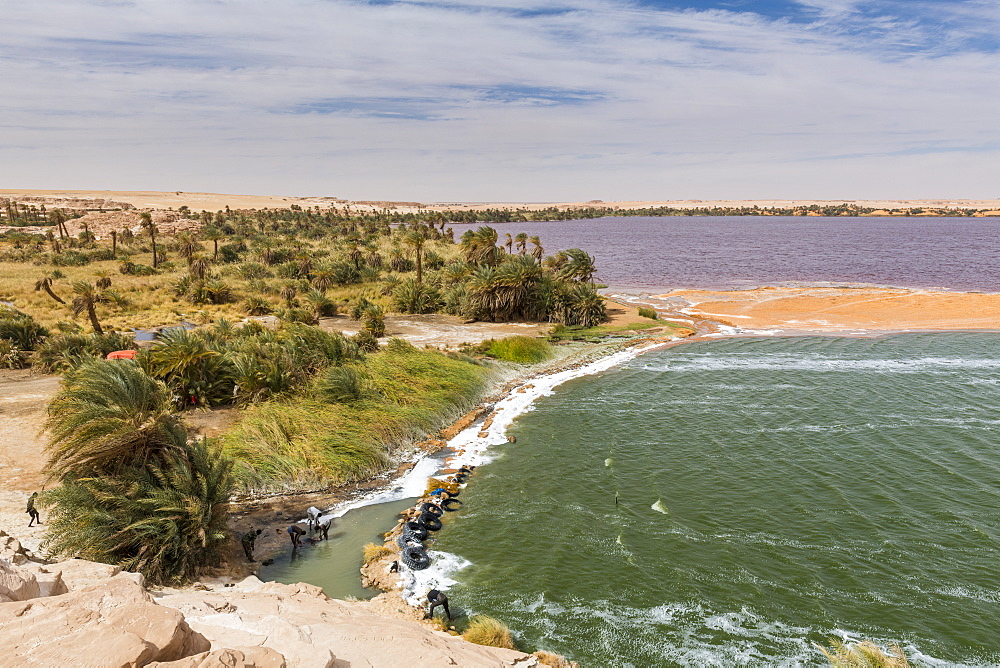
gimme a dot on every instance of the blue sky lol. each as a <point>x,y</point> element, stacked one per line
<point>505,100</point>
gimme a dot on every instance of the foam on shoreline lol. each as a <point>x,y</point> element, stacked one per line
<point>472,446</point>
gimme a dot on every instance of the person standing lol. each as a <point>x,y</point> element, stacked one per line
<point>248,540</point>
<point>32,511</point>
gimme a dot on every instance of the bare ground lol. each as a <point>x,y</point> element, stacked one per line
<point>24,397</point>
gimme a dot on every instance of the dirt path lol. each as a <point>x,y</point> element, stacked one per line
<point>23,399</point>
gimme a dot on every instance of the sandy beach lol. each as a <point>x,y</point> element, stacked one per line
<point>837,310</point>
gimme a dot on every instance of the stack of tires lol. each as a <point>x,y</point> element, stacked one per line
<point>415,532</point>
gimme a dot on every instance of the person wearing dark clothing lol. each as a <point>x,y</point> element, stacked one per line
<point>248,539</point>
<point>436,598</point>
<point>295,532</point>
<point>32,512</point>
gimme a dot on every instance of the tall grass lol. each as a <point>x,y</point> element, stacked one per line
<point>315,439</point>
<point>520,349</point>
<point>647,312</point>
<point>865,654</point>
<point>373,552</point>
<point>484,630</point>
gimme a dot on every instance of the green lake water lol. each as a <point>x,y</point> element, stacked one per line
<point>334,563</point>
<point>770,493</point>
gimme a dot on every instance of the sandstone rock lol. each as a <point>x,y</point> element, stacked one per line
<point>80,573</point>
<point>244,657</point>
<point>11,550</point>
<point>112,624</point>
<point>309,629</point>
<point>17,584</point>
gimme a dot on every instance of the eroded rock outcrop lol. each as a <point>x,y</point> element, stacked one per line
<point>310,629</point>
<point>17,584</point>
<point>110,624</point>
<point>244,657</point>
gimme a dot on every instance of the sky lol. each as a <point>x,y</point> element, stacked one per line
<point>505,100</point>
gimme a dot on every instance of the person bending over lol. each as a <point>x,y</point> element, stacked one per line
<point>295,532</point>
<point>436,598</point>
<point>248,539</point>
<point>323,524</point>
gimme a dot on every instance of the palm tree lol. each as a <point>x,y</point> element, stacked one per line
<point>109,415</point>
<point>213,234</point>
<point>288,293</point>
<point>150,226</point>
<point>45,283</point>
<point>509,243</point>
<point>187,245</point>
<point>537,252</point>
<point>522,242</point>
<point>166,521</point>
<point>480,247</point>
<point>56,248</point>
<point>416,239</point>
<point>114,243</point>
<point>198,266</point>
<point>58,218</point>
<point>103,281</point>
<point>86,299</point>
<point>578,265</point>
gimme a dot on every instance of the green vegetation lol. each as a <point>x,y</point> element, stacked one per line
<point>865,654</point>
<point>301,265</point>
<point>484,630</point>
<point>647,312</point>
<point>520,349</point>
<point>559,333</point>
<point>135,492</point>
<point>108,417</point>
<point>343,426</point>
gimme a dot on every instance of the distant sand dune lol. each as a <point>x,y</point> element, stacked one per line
<point>217,201</point>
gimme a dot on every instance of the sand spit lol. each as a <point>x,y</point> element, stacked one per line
<point>820,310</point>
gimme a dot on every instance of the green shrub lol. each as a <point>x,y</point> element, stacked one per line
<point>20,328</point>
<point>646,312</point>
<point>340,384</point>
<point>166,520</point>
<point>11,357</point>
<point>520,349</point>
<point>61,352</point>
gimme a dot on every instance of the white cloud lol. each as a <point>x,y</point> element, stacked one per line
<point>492,100</point>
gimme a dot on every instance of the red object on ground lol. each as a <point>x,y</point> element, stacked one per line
<point>121,355</point>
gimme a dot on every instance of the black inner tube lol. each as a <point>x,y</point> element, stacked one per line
<point>416,558</point>
<point>451,504</point>
<point>431,508</point>
<point>431,522</point>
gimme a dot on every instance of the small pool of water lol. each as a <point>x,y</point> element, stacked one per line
<point>333,564</point>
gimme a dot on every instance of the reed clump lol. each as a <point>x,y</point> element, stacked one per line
<point>865,654</point>
<point>486,630</point>
<point>647,312</point>
<point>374,552</point>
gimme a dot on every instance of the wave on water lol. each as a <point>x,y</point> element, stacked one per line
<point>814,362</point>
<point>472,449</point>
